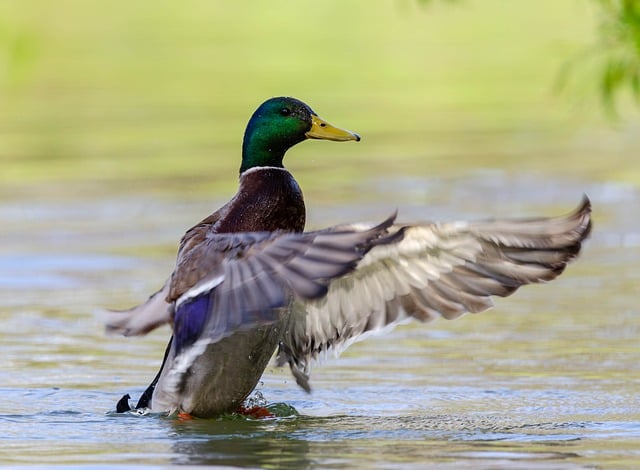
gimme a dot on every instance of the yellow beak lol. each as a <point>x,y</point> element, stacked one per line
<point>321,129</point>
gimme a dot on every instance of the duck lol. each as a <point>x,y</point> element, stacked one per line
<point>249,283</point>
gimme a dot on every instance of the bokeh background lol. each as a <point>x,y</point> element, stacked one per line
<point>121,125</point>
<point>149,96</point>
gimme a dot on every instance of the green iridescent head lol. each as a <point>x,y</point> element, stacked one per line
<point>279,124</point>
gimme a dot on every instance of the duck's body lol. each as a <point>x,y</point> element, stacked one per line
<point>223,376</point>
<point>247,281</point>
<point>268,200</point>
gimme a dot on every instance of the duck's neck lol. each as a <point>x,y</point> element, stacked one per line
<point>259,150</point>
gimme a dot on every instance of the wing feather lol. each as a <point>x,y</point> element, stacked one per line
<point>140,320</point>
<point>428,271</point>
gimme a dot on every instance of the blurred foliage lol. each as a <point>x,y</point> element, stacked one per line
<point>615,58</point>
<point>620,44</point>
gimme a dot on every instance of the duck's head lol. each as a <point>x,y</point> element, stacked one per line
<point>280,123</point>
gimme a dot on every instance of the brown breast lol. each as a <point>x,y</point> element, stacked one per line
<point>269,199</point>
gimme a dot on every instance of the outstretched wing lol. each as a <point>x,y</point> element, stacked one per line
<point>157,310</point>
<point>440,269</point>
<point>140,320</point>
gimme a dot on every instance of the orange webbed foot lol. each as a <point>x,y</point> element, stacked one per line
<point>257,412</point>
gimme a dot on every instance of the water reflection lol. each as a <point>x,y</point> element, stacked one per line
<point>337,441</point>
<point>239,442</point>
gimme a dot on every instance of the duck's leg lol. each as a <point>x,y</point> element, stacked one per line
<point>145,398</point>
<point>123,404</point>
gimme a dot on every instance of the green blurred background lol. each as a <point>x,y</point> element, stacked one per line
<point>109,96</point>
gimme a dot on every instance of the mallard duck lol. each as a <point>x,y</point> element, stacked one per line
<point>249,281</point>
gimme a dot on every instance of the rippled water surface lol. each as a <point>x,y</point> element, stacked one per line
<point>547,379</point>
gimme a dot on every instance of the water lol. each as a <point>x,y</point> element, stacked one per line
<point>547,379</point>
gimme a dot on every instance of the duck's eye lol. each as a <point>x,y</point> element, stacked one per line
<point>285,111</point>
